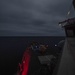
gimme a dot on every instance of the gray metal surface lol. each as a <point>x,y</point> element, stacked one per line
<point>67,64</point>
<point>45,59</point>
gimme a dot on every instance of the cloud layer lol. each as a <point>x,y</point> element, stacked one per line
<point>32,17</point>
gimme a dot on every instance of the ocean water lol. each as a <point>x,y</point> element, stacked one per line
<point>12,49</point>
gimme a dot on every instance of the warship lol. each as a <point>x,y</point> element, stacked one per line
<point>67,61</point>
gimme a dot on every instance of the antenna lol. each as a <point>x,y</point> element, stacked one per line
<point>68,13</point>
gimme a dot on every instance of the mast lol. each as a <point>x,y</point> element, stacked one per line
<point>74,4</point>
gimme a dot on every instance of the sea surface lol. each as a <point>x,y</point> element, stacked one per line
<point>12,49</point>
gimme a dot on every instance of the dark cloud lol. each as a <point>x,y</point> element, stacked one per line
<point>32,17</point>
<point>38,22</point>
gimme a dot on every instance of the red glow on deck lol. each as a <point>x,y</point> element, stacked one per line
<point>25,62</point>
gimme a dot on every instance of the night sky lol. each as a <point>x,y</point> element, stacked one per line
<point>33,17</point>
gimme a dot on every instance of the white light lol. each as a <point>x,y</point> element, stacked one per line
<point>68,13</point>
<point>55,45</point>
<point>59,24</point>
